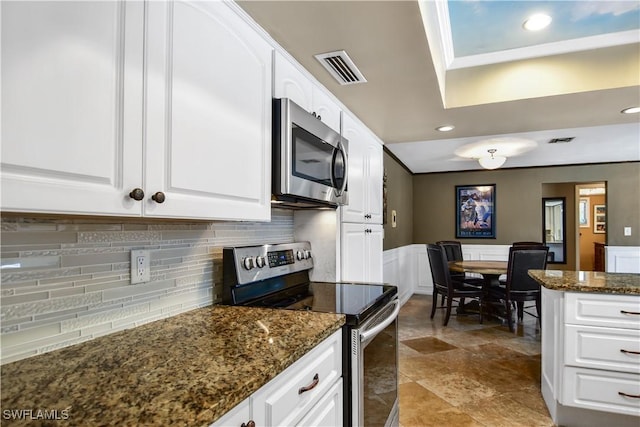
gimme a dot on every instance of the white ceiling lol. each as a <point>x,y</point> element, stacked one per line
<point>573,88</point>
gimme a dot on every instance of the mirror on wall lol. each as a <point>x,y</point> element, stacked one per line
<point>554,228</point>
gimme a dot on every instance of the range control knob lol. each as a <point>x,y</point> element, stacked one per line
<point>260,261</point>
<point>248,263</point>
<point>300,255</point>
<point>307,254</point>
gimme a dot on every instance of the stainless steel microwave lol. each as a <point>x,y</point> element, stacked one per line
<point>309,159</point>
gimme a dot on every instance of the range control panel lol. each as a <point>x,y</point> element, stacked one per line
<point>254,263</point>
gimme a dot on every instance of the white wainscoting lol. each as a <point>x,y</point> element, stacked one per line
<point>622,259</point>
<point>407,267</point>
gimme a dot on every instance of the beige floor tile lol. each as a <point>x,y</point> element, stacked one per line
<point>468,374</point>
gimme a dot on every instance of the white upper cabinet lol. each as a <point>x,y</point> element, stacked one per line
<point>97,103</point>
<point>71,106</point>
<point>208,99</point>
<point>365,174</point>
<point>290,82</point>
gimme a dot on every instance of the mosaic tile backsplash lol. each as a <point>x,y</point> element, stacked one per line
<point>66,280</point>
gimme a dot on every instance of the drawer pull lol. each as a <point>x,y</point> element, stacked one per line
<point>634,396</point>
<point>622,350</point>
<point>635,313</point>
<point>316,380</point>
<point>250,423</point>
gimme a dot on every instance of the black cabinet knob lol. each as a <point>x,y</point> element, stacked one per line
<point>158,197</point>
<point>249,424</point>
<point>137,194</point>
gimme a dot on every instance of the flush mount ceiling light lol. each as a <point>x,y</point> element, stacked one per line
<point>537,22</point>
<point>631,110</point>
<point>493,161</point>
<point>445,128</point>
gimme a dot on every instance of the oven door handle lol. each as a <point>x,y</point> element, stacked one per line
<point>369,333</point>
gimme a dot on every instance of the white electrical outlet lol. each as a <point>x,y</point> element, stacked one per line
<point>627,231</point>
<point>140,267</point>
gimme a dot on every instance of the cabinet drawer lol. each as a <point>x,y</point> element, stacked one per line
<point>599,390</point>
<point>602,348</point>
<point>328,411</point>
<point>280,403</point>
<point>614,311</point>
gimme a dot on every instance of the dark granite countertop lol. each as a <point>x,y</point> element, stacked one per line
<point>588,281</point>
<point>189,369</point>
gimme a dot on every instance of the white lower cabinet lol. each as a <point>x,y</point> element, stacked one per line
<point>591,358</point>
<point>307,393</point>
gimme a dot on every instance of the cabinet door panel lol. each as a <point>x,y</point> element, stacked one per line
<point>208,141</point>
<point>376,170</point>
<point>354,252</point>
<point>355,210</point>
<point>328,110</point>
<point>289,82</point>
<point>375,261</point>
<point>72,106</point>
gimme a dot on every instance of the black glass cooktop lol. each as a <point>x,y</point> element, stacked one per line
<point>355,300</point>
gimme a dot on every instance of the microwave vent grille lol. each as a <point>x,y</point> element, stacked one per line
<point>341,67</point>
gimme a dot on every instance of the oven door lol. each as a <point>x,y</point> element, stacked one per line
<point>374,369</point>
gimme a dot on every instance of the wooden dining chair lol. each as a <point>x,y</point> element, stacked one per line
<point>519,286</point>
<point>443,285</point>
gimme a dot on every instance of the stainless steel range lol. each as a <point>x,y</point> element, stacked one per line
<point>277,276</point>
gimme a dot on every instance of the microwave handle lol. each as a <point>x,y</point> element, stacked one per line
<point>340,148</point>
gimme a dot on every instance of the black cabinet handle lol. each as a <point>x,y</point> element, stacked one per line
<point>633,396</point>
<point>316,380</point>
<point>630,312</point>
<point>249,423</point>
<point>158,197</point>
<point>629,351</point>
<point>137,194</point>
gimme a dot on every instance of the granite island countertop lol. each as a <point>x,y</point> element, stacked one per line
<point>588,281</point>
<point>189,369</point>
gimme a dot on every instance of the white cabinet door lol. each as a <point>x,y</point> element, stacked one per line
<point>290,82</point>
<point>361,252</point>
<point>208,127</point>
<point>72,106</point>
<point>365,174</point>
<point>375,172</point>
<point>325,109</point>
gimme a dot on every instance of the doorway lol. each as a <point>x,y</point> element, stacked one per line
<point>591,232</point>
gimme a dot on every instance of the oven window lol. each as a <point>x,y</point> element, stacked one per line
<point>380,376</point>
<point>312,157</point>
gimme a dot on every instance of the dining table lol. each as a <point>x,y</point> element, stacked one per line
<point>490,271</point>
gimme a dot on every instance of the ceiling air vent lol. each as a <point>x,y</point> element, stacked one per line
<point>341,67</point>
<point>561,140</point>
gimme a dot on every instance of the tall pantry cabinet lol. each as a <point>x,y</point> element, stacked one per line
<point>134,108</point>
<point>361,226</point>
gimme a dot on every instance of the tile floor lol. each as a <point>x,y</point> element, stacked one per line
<point>467,374</point>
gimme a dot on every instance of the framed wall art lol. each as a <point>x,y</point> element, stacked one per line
<point>475,211</point>
<point>599,219</point>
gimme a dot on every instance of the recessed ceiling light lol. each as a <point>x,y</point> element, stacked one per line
<point>537,22</point>
<point>445,128</point>
<point>631,110</point>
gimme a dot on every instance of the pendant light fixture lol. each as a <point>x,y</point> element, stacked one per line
<point>491,161</point>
